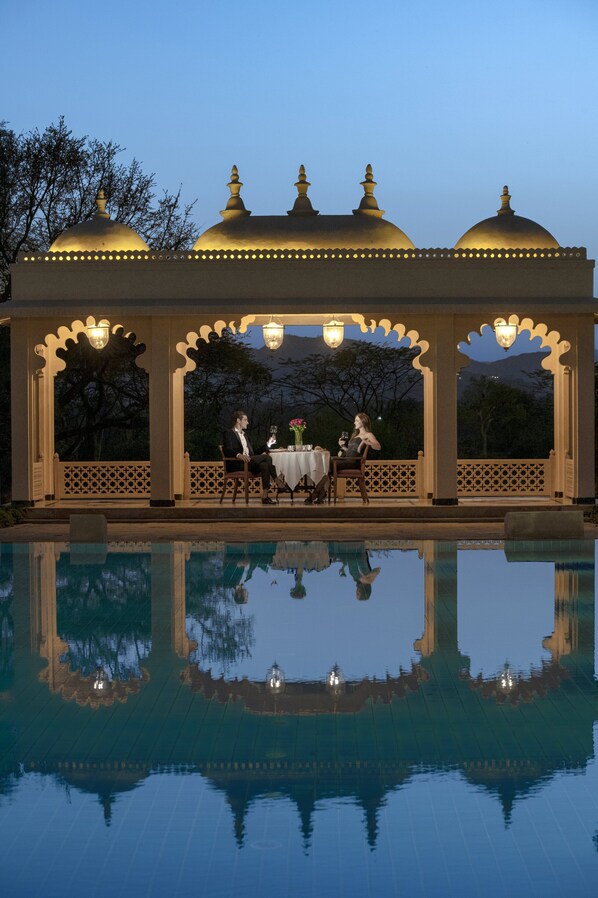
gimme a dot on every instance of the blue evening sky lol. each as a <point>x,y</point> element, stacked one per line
<point>448,101</point>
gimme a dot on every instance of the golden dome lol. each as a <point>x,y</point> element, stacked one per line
<point>507,231</point>
<point>99,234</point>
<point>313,232</point>
<point>303,228</point>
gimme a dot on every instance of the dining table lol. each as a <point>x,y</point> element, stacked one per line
<point>297,463</point>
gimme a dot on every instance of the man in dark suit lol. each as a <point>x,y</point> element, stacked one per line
<point>238,449</point>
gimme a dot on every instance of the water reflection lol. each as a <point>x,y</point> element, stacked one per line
<point>150,661</point>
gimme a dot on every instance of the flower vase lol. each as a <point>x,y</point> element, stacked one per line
<point>298,438</point>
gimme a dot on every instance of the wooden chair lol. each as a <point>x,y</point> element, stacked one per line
<point>243,474</point>
<point>357,473</point>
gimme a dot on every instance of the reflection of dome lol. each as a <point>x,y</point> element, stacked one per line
<point>303,228</point>
<point>507,231</point>
<point>98,233</point>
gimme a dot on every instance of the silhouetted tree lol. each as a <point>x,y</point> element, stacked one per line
<point>49,180</point>
<point>500,421</point>
<point>226,377</point>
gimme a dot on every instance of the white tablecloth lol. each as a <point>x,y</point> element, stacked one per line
<point>295,465</point>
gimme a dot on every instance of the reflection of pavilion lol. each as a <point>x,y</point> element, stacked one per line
<point>364,748</point>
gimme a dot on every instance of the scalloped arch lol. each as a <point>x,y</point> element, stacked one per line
<point>58,340</point>
<point>551,338</point>
<point>401,332</point>
<point>203,333</point>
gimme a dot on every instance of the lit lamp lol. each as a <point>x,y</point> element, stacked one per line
<point>505,333</point>
<point>506,679</point>
<point>101,682</point>
<point>334,333</point>
<point>273,334</point>
<point>98,334</point>
<point>275,680</point>
<point>335,681</point>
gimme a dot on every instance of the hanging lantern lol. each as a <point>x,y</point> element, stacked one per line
<point>275,681</point>
<point>273,334</point>
<point>101,682</point>
<point>333,333</point>
<point>505,333</point>
<point>506,679</point>
<point>98,334</point>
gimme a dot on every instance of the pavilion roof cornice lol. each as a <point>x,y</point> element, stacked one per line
<point>291,255</point>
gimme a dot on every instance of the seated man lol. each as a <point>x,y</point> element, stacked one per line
<point>237,446</point>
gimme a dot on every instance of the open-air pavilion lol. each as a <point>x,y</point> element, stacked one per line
<point>303,268</point>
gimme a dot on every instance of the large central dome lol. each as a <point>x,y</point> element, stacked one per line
<point>303,228</point>
<point>321,232</point>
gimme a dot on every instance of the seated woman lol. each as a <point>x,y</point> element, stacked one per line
<point>350,454</point>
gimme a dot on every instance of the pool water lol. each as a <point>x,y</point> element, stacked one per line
<point>298,719</point>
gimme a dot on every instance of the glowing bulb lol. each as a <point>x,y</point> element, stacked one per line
<point>98,334</point>
<point>273,334</point>
<point>333,333</point>
<point>505,333</point>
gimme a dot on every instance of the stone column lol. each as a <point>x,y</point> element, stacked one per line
<point>169,637</point>
<point>440,599</point>
<point>440,365</point>
<point>562,427</point>
<point>582,410</point>
<point>28,396</point>
<point>166,409</point>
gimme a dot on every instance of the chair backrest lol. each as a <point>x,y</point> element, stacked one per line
<point>364,456</point>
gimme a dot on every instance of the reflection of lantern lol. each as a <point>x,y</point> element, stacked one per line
<point>98,334</point>
<point>335,681</point>
<point>101,681</point>
<point>333,333</point>
<point>506,679</point>
<point>273,334</point>
<point>275,680</point>
<point>505,333</point>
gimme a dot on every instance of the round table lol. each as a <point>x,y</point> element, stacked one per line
<point>297,464</point>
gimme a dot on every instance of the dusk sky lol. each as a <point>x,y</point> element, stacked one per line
<point>447,101</point>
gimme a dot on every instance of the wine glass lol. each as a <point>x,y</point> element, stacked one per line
<point>345,436</point>
<point>273,430</point>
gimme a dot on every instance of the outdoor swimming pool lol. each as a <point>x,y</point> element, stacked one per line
<point>298,719</point>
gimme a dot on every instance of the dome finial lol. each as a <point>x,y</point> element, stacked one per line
<point>369,204</point>
<point>505,199</point>
<point>302,204</point>
<point>101,205</point>
<point>235,207</point>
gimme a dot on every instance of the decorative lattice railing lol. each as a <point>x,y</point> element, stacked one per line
<point>388,479</point>
<point>507,477</point>
<point>101,479</point>
<point>393,479</point>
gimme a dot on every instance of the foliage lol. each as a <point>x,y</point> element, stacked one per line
<point>10,515</point>
<point>223,635</point>
<point>500,421</point>
<point>226,378</point>
<point>333,387</point>
<point>49,180</point>
<point>101,406</point>
<point>5,436</point>
<point>104,613</point>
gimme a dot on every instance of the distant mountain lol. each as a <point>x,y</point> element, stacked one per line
<point>513,370</point>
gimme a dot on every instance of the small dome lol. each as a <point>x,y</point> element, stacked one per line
<point>303,228</point>
<point>99,234</point>
<point>507,231</point>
